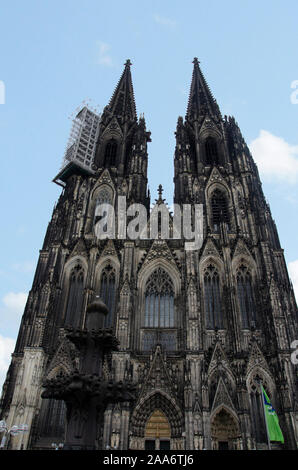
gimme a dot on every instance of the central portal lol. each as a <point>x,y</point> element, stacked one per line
<point>158,432</point>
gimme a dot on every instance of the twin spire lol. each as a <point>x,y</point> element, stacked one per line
<point>200,103</point>
<point>201,100</point>
<point>122,103</point>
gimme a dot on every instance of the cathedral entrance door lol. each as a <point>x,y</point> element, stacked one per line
<point>223,445</point>
<point>224,430</point>
<point>157,432</point>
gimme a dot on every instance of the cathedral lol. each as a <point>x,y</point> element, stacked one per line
<point>198,330</point>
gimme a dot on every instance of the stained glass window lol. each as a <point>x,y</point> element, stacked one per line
<point>105,196</point>
<point>159,316</point>
<point>159,300</point>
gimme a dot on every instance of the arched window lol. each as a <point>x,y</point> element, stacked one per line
<point>159,300</point>
<point>219,207</point>
<point>108,292</point>
<point>159,311</point>
<point>110,153</point>
<point>75,297</point>
<point>212,298</point>
<point>257,412</point>
<point>105,196</point>
<point>211,151</point>
<point>245,297</point>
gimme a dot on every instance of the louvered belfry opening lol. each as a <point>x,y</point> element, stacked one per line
<point>220,212</point>
<point>110,153</point>
<point>211,151</point>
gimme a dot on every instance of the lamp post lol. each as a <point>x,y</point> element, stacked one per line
<point>13,431</point>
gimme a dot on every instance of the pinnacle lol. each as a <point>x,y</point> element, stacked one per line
<point>160,199</point>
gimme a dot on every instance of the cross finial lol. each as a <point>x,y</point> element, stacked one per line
<point>128,63</point>
<point>196,61</point>
<point>160,191</point>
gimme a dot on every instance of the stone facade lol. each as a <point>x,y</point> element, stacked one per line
<point>197,329</point>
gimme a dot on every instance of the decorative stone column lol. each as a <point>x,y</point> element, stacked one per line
<point>86,392</point>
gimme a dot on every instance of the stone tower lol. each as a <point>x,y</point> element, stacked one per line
<point>198,330</point>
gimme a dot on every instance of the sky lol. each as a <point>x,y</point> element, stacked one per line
<point>56,55</point>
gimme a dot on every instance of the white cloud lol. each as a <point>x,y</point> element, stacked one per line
<point>6,349</point>
<point>276,159</point>
<point>103,58</point>
<point>168,22</point>
<point>293,272</point>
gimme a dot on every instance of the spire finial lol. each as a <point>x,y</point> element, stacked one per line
<point>196,61</point>
<point>128,63</point>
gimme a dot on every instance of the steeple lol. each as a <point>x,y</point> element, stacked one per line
<point>201,101</point>
<point>122,103</point>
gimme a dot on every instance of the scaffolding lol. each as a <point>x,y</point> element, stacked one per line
<point>81,144</point>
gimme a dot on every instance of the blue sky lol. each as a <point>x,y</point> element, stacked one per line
<point>56,54</point>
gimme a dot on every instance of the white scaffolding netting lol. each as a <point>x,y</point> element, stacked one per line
<point>81,144</point>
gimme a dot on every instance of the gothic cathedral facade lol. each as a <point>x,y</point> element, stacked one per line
<point>198,330</point>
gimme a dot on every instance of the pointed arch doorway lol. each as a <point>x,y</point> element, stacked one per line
<point>225,430</point>
<point>157,432</point>
<point>157,418</point>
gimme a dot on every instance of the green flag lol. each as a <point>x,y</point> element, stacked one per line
<point>273,427</point>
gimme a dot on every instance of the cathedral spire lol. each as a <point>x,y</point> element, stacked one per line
<point>201,100</point>
<point>122,103</point>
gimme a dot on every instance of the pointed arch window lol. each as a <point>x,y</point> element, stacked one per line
<point>212,298</point>
<point>75,296</point>
<point>220,211</point>
<point>257,413</point>
<point>108,292</point>
<point>159,300</point>
<point>245,297</point>
<point>105,196</point>
<point>211,151</point>
<point>159,317</point>
<point>110,153</point>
